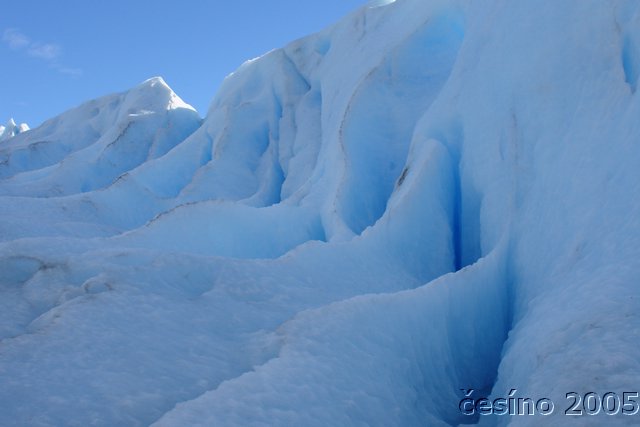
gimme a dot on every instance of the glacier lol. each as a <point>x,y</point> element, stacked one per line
<point>11,129</point>
<point>425,198</point>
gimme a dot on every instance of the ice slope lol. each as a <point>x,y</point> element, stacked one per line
<point>424,197</point>
<point>118,133</point>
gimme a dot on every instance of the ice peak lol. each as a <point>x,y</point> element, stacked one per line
<point>155,94</point>
<point>11,129</point>
<point>153,82</point>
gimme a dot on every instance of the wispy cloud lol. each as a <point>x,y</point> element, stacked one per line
<point>15,39</point>
<point>47,52</point>
<point>73,72</point>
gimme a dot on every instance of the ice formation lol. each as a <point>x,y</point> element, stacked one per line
<point>11,129</point>
<point>426,197</point>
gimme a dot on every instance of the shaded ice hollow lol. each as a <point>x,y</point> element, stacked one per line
<point>424,197</point>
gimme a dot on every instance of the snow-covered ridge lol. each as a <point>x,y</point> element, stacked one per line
<point>423,198</point>
<point>87,148</point>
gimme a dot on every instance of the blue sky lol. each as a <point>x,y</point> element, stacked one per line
<point>55,55</point>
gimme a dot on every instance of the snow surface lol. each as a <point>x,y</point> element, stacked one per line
<point>423,198</point>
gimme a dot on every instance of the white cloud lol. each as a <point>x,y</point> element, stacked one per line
<point>15,39</point>
<point>48,52</point>
<point>73,72</point>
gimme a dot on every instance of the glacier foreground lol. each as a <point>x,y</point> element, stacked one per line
<point>425,198</point>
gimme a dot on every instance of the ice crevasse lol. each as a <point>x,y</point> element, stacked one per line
<point>426,197</point>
